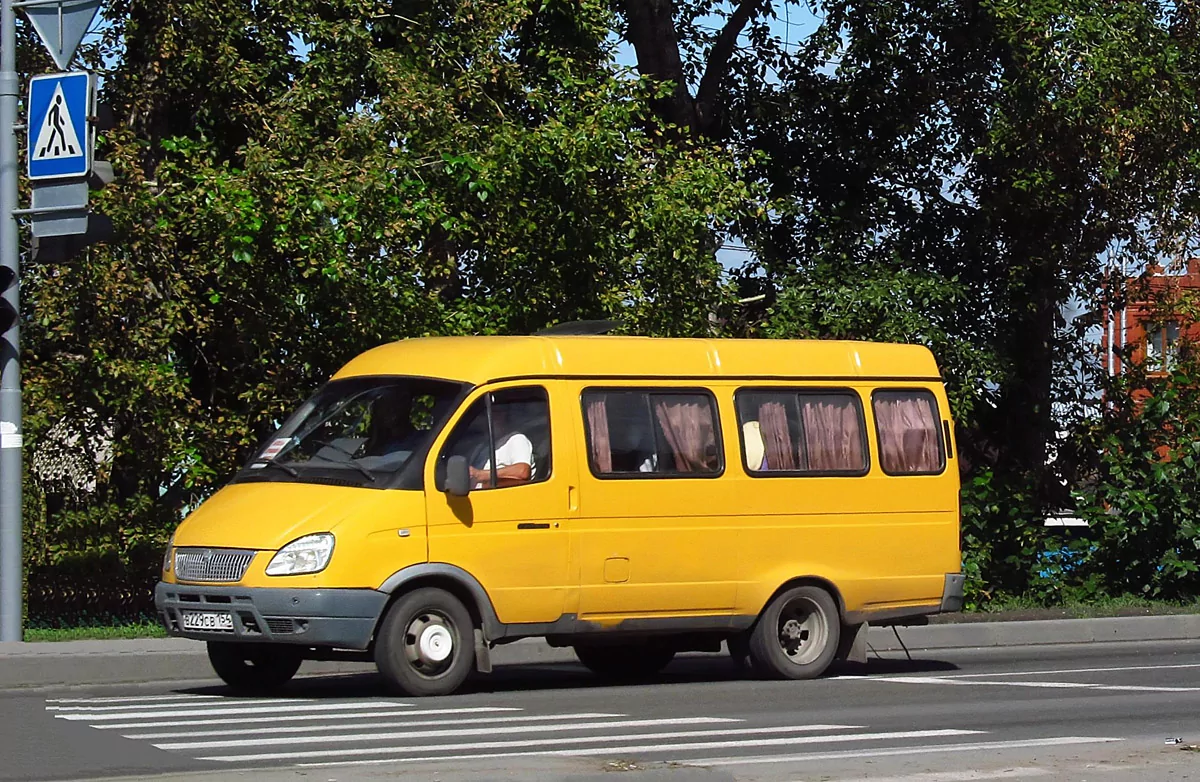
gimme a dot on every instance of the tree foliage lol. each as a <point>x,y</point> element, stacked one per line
<point>949,172</point>
<point>299,181</point>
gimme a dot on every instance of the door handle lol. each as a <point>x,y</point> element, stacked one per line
<point>532,525</point>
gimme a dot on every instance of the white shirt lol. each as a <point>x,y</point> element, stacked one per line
<point>514,449</point>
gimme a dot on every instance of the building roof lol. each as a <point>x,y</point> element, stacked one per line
<point>478,360</point>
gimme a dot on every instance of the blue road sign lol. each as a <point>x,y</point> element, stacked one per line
<point>59,139</point>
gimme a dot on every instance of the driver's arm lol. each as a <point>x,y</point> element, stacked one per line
<point>520,451</point>
<point>505,476</point>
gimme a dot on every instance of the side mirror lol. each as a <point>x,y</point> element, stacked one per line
<point>458,476</point>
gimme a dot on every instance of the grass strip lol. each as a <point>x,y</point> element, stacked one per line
<point>97,633</point>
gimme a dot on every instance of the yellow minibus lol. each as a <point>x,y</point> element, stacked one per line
<point>629,497</point>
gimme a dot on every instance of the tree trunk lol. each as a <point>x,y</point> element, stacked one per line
<point>651,30</point>
<point>1027,402</point>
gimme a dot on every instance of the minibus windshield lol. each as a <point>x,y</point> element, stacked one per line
<point>366,431</point>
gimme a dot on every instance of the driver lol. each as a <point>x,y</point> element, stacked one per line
<point>514,454</point>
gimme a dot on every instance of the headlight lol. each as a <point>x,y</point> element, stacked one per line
<point>167,558</point>
<point>309,554</point>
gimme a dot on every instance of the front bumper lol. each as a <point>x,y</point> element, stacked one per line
<point>952,592</point>
<point>334,618</point>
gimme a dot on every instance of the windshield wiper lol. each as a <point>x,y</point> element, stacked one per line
<point>289,470</point>
<point>370,475</point>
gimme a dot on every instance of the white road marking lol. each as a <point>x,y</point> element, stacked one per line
<point>225,702</point>
<point>193,712</point>
<point>423,734</point>
<point>373,725</point>
<point>982,746</point>
<point>1037,685</point>
<point>965,776</point>
<point>611,749</point>
<point>135,698</point>
<point>1072,670</point>
<point>307,717</point>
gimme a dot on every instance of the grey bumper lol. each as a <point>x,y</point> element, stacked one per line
<point>952,592</point>
<point>335,618</point>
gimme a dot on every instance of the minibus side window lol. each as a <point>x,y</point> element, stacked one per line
<point>910,439</point>
<point>788,432</point>
<point>505,438</point>
<point>652,433</point>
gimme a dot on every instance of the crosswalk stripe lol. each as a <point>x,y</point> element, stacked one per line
<point>136,698</point>
<point>225,702</point>
<point>732,761</point>
<point>373,725</point>
<point>614,747</point>
<point>980,746</point>
<point>267,709</point>
<point>306,717</point>
<point>425,734</point>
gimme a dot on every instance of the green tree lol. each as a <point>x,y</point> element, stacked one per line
<point>298,181</point>
<point>945,172</point>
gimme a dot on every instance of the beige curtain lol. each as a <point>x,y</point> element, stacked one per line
<point>688,427</point>
<point>597,418</point>
<point>777,438</point>
<point>832,434</point>
<point>908,434</point>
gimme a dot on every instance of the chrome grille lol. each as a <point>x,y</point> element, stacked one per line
<point>211,564</point>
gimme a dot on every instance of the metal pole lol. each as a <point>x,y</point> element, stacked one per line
<point>10,377</point>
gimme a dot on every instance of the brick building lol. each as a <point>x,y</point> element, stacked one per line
<point>1154,334</point>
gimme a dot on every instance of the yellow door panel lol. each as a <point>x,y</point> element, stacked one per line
<point>513,539</point>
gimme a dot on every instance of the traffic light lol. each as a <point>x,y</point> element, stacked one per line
<point>8,314</point>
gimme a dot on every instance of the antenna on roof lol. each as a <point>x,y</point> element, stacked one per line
<point>579,328</point>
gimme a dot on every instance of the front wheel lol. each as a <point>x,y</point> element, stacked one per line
<point>249,667</point>
<point>425,644</point>
<point>796,637</point>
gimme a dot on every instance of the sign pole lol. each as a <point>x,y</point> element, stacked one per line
<point>11,619</point>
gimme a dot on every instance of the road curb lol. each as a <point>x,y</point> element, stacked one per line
<point>1176,627</point>
<point>82,663</point>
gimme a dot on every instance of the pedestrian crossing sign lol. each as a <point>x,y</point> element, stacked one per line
<point>59,141</point>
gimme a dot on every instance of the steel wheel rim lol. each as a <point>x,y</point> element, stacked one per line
<point>802,630</point>
<point>429,643</point>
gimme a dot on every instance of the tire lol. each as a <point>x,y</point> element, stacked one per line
<point>426,644</point>
<point>625,661</point>
<point>254,667</point>
<point>797,636</point>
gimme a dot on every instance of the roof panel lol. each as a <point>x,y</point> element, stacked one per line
<point>477,360</point>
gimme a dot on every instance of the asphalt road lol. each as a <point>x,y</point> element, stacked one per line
<point>1094,711</point>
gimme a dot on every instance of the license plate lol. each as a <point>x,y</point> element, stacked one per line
<point>207,620</point>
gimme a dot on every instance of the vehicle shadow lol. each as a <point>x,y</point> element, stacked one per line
<point>569,675</point>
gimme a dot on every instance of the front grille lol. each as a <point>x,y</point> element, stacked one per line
<point>280,626</point>
<point>211,564</point>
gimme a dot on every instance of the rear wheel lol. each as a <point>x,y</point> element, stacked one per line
<point>625,661</point>
<point>425,644</point>
<point>254,667</point>
<point>796,637</point>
